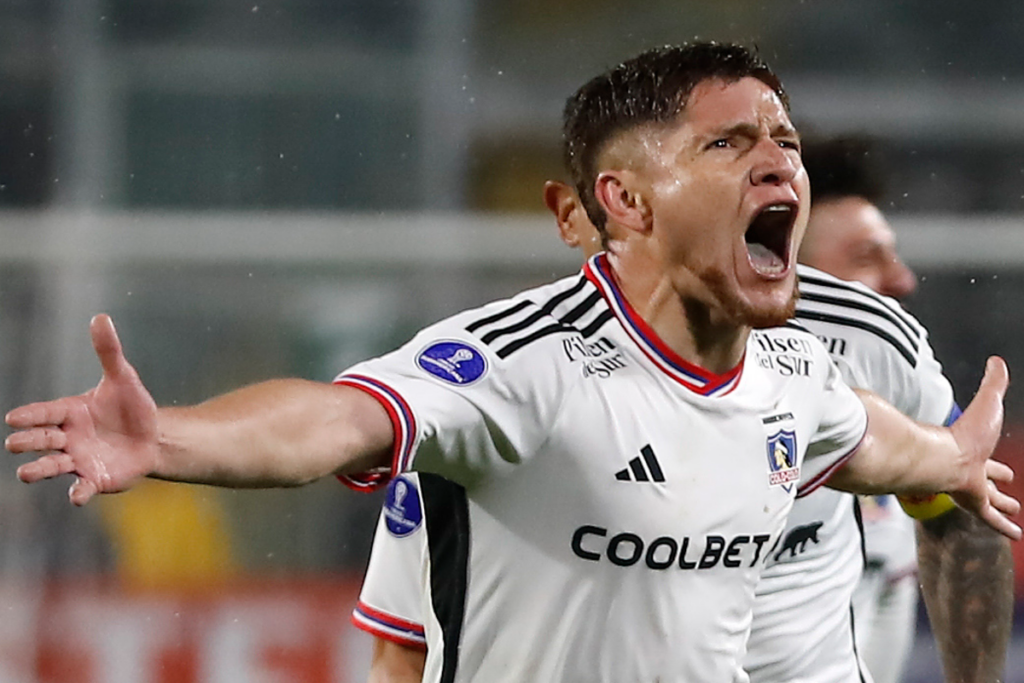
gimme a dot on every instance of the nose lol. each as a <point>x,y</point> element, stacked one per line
<point>774,165</point>
<point>898,279</point>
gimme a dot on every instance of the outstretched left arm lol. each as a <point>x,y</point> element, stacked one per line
<point>899,455</point>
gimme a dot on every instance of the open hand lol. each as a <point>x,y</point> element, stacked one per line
<point>106,437</point>
<point>977,433</point>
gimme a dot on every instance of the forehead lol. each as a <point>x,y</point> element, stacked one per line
<point>850,220</point>
<point>719,104</point>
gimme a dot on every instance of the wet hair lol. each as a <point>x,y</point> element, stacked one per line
<point>846,166</point>
<point>650,89</point>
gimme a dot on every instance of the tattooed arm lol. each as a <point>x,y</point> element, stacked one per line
<point>966,572</point>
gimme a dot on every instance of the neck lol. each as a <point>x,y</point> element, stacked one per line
<point>696,331</point>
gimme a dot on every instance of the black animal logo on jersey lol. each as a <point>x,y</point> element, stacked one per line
<point>637,470</point>
<point>797,540</point>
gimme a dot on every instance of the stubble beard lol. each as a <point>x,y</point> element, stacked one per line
<point>743,312</point>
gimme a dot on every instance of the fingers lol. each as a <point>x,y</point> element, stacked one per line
<point>107,346</point>
<point>1006,504</point>
<point>997,521</point>
<point>38,414</point>
<point>39,440</point>
<point>46,467</point>
<point>998,471</point>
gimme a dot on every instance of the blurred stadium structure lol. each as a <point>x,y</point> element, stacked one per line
<point>284,188</point>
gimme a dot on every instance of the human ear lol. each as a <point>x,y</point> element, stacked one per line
<point>562,201</point>
<point>623,203</point>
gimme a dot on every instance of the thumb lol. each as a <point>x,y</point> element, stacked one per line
<point>107,346</point>
<point>81,491</point>
<point>997,377</point>
<point>987,405</point>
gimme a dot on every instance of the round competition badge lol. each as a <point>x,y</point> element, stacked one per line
<point>454,362</point>
<point>402,511</point>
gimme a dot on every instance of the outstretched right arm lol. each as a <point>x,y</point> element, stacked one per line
<point>277,433</point>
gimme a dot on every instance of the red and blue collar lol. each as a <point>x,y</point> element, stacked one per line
<point>695,378</point>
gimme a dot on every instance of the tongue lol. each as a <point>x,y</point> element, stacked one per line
<point>764,260</point>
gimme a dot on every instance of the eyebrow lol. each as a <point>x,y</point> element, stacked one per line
<point>751,130</point>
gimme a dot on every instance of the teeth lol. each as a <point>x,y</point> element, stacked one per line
<point>778,207</point>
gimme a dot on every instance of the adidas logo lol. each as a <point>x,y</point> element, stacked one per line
<point>644,467</point>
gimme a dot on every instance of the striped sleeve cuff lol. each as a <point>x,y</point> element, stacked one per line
<point>402,421</point>
<point>389,627</point>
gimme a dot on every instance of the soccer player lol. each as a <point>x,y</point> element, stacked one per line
<point>849,237</point>
<point>802,627</point>
<point>617,450</point>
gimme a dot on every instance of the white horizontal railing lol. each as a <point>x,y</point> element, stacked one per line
<point>401,239</point>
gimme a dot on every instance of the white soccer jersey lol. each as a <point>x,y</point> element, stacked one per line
<point>606,507</point>
<point>802,627</point>
<point>391,602</point>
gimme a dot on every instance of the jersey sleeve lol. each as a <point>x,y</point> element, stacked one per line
<point>877,344</point>
<point>391,600</point>
<point>458,409</point>
<point>918,389</point>
<point>841,428</point>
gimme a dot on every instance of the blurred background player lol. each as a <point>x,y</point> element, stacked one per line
<point>802,626</point>
<point>849,237</point>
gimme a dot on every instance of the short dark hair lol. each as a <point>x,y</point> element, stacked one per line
<point>651,88</point>
<point>844,166</point>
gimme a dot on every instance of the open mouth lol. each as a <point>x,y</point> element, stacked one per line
<point>768,236</point>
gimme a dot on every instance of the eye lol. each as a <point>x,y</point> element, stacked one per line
<point>790,144</point>
<point>720,143</point>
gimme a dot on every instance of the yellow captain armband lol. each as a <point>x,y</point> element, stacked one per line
<point>926,507</point>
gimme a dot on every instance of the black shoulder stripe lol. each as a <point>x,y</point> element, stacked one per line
<point>908,321</point>
<point>913,338</point>
<point>516,327</point>
<point>860,324</point>
<point>561,324</point>
<point>598,322</point>
<point>545,309</point>
<point>512,310</point>
<point>514,346</point>
<point>559,298</point>
<point>581,310</point>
